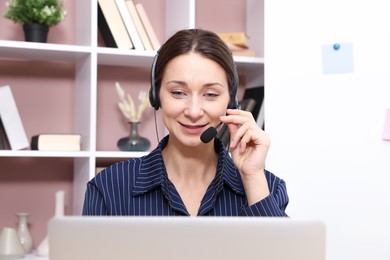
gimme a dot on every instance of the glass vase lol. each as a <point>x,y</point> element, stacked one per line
<point>24,232</point>
<point>43,247</point>
<point>133,142</point>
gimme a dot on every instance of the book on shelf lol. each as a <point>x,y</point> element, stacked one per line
<point>99,169</point>
<point>56,142</point>
<point>248,104</point>
<point>4,145</point>
<point>111,26</point>
<point>236,38</point>
<point>130,25</point>
<point>138,25</point>
<point>156,44</point>
<point>256,93</point>
<point>241,51</point>
<point>12,123</point>
<point>244,53</point>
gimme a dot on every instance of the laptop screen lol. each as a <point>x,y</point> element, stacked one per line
<point>185,238</point>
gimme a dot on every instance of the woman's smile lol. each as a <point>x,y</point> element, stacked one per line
<point>193,129</point>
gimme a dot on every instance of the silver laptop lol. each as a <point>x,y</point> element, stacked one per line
<point>185,238</point>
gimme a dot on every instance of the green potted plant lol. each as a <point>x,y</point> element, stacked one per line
<point>35,16</point>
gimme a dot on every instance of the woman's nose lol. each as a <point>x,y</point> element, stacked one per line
<point>194,108</point>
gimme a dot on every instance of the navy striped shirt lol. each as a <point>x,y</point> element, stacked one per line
<point>140,187</point>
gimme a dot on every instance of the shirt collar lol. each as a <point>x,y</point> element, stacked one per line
<point>152,172</point>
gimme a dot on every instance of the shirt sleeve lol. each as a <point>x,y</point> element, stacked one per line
<point>94,204</point>
<point>273,205</point>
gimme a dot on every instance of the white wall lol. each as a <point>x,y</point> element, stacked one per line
<point>326,130</point>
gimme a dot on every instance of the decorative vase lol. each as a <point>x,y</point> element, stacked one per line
<point>35,32</point>
<point>10,246</point>
<point>133,142</point>
<point>43,248</point>
<point>24,232</point>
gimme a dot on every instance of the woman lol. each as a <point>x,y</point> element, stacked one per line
<point>194,82</point>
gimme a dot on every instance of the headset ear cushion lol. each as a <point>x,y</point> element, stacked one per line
<point>153,96</point>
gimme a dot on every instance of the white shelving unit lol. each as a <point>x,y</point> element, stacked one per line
<point>87,56</point>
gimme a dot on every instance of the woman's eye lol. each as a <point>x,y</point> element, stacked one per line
<point>211,95</point>
<point>177,93</point>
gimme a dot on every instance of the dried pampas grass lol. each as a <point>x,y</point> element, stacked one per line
<point>127,106</point>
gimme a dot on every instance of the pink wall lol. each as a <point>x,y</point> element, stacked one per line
<point>230,17</point>
<point>29,184</point>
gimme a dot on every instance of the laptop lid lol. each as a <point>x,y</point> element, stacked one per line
<point>185,238</point>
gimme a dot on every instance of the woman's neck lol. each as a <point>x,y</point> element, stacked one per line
<point>190,162</point>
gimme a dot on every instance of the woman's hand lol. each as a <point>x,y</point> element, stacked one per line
<point>249,146</point>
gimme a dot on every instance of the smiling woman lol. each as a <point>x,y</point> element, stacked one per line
<point>194,83</point>
<point>193,96</point>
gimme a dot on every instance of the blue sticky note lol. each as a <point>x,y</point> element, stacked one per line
<point>337,58</point>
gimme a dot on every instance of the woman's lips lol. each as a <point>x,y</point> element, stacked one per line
<point>193,129</point>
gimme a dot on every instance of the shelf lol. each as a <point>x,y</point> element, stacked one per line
<point>126,58</point>
<point>30,153</point>
<point>249,64</point>
<point>103,154</point>
<point>42,51</point>
<point>249,60</point>
<point>80,154</point>
<point>105,56</point>
<point>133,58</point>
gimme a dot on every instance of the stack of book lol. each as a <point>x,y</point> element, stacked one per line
<point>238,43</point>
<point>125,25</point>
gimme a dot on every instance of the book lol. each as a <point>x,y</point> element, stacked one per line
<point>138,25</point>
<point>12,122</point>
<point>56,142</point>
<point>130,25</point>
<point>4,145</point>
<point>156,44</point>
<point>111,26</point>
<point>241,51</point>
<point>248,104</point>
<point>236,38</point>
<point>244,53</point>
<point>257,93</point>
<point>99,169</point>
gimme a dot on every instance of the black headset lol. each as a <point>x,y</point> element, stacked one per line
<point>153,94</point>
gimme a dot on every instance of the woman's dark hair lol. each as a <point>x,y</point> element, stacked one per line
<point>206,43</point>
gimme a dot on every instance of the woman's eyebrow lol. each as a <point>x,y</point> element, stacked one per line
<point>180,82</point>
<point>183,83</point>
<point>213,84</point>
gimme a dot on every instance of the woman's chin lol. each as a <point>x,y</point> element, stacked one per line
<point>192,140</point>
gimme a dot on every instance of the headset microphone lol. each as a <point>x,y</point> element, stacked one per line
<point>209,133</point>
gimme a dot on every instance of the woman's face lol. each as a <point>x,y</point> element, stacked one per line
<point>194,93</point>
